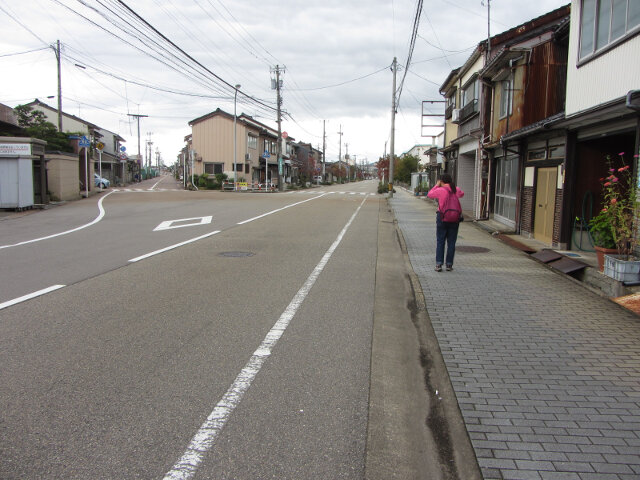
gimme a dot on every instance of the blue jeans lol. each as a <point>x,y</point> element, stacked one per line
<point>445,232</point>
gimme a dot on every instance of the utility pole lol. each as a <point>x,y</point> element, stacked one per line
<point>278,86</point>
<point>346,162</point>
<point>488,30</point>
<point>324,147</point>
<point>138,119</point>
<point>150,153</point>
<point>57,51</point>
<point>340,155</point>
<point>394,69</point>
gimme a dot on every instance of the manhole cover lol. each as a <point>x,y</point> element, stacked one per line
<point>236,254</point>
<point>471,249</point>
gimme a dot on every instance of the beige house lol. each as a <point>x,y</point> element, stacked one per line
<point>211,145</point>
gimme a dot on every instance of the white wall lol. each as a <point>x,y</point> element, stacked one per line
<point>608,77</point>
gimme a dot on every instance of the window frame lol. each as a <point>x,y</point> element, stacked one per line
<point>595,9</point>
<point>213,165</point>
<point>506,98</point>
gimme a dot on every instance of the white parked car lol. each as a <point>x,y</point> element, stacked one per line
<point>100,182</point>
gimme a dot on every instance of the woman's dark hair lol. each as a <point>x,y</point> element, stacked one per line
<point>447,178</point>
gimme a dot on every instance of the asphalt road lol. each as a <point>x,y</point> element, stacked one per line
<point>235,348</point>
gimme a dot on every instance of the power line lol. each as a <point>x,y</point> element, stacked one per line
<point>342,83</point>
<point>412,45</point>
<point>23,53</point>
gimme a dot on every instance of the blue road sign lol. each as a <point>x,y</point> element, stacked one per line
<point>123,148</point>
<point>266,154</point>
<point>84,142</point>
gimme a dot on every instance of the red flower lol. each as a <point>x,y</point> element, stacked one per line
<point>614,201</point>
<point>608,184</point>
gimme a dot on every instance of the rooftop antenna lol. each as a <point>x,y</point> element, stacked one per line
<point>488,26</point>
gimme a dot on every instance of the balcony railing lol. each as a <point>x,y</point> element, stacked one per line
<point>448,111</point>
<point>468,110</point>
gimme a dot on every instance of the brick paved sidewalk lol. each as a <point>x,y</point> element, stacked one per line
<point>547,374</point>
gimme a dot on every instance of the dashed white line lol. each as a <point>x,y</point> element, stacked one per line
<point>171,247</point>
<point>205,437</point>
<point>30,296</point>
<point>280,209</point>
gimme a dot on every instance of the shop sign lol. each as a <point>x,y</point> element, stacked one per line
<point>15,149</point>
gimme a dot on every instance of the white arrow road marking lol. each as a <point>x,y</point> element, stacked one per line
<point>205,437</point>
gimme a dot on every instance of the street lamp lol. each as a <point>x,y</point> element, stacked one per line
<point>235,146</point>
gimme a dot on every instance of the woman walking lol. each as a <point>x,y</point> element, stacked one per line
<point>448,218</point>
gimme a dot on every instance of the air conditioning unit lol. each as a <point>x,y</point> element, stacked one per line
<point>455,115</point>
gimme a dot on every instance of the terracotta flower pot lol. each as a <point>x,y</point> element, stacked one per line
<point>601,252</point>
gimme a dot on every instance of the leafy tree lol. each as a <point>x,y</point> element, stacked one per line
<point>338,170</point>
<point>36,125</point>
<point>404,167</point>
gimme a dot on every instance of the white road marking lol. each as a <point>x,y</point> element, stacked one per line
<point>171,247</point>
<point>169,224</point>
<point>157,183</point>
<point>30,296</point>
<point>205,437</point>
<point>96,220</point>
<point>280,209</point>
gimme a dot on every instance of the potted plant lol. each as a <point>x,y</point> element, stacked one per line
<point>602,235</point>
<point>616,225</point>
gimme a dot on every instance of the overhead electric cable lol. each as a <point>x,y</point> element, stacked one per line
<point>342,83</point>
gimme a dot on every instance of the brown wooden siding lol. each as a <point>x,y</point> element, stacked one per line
<point>545,89</point>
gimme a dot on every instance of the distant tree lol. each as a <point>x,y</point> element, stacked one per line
<point>383,168</point>
<point>338,170</point>
<point>36,125</point>
<point>404,167</point>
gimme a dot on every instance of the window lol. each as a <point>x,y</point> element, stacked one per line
<point>506,99</point>
<point>451,101</point>
<point>507,188</point>
<point>604,22</point>
<point>539,154</point>
<point>469,100</point>
<point>252,142</point>
<point>269,146</point>
<point>213,168</point>
<point>469,93</point>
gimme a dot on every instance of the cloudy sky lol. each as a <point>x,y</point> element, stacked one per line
<point>176,60</point>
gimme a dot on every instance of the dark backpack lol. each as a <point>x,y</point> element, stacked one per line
<point>450,209</point>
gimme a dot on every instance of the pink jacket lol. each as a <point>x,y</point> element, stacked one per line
<point>440,193</point>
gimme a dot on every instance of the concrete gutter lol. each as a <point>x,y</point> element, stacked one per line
<point>416,430</point>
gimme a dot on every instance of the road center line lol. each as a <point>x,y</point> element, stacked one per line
<point>96,220</point>
<point>206,436</point>
<point>29,296</point>
<point>171,247</point>
<point>280,209</point>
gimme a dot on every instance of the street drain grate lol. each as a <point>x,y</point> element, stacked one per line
<point>236,254</point>
<point>471,249</point>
